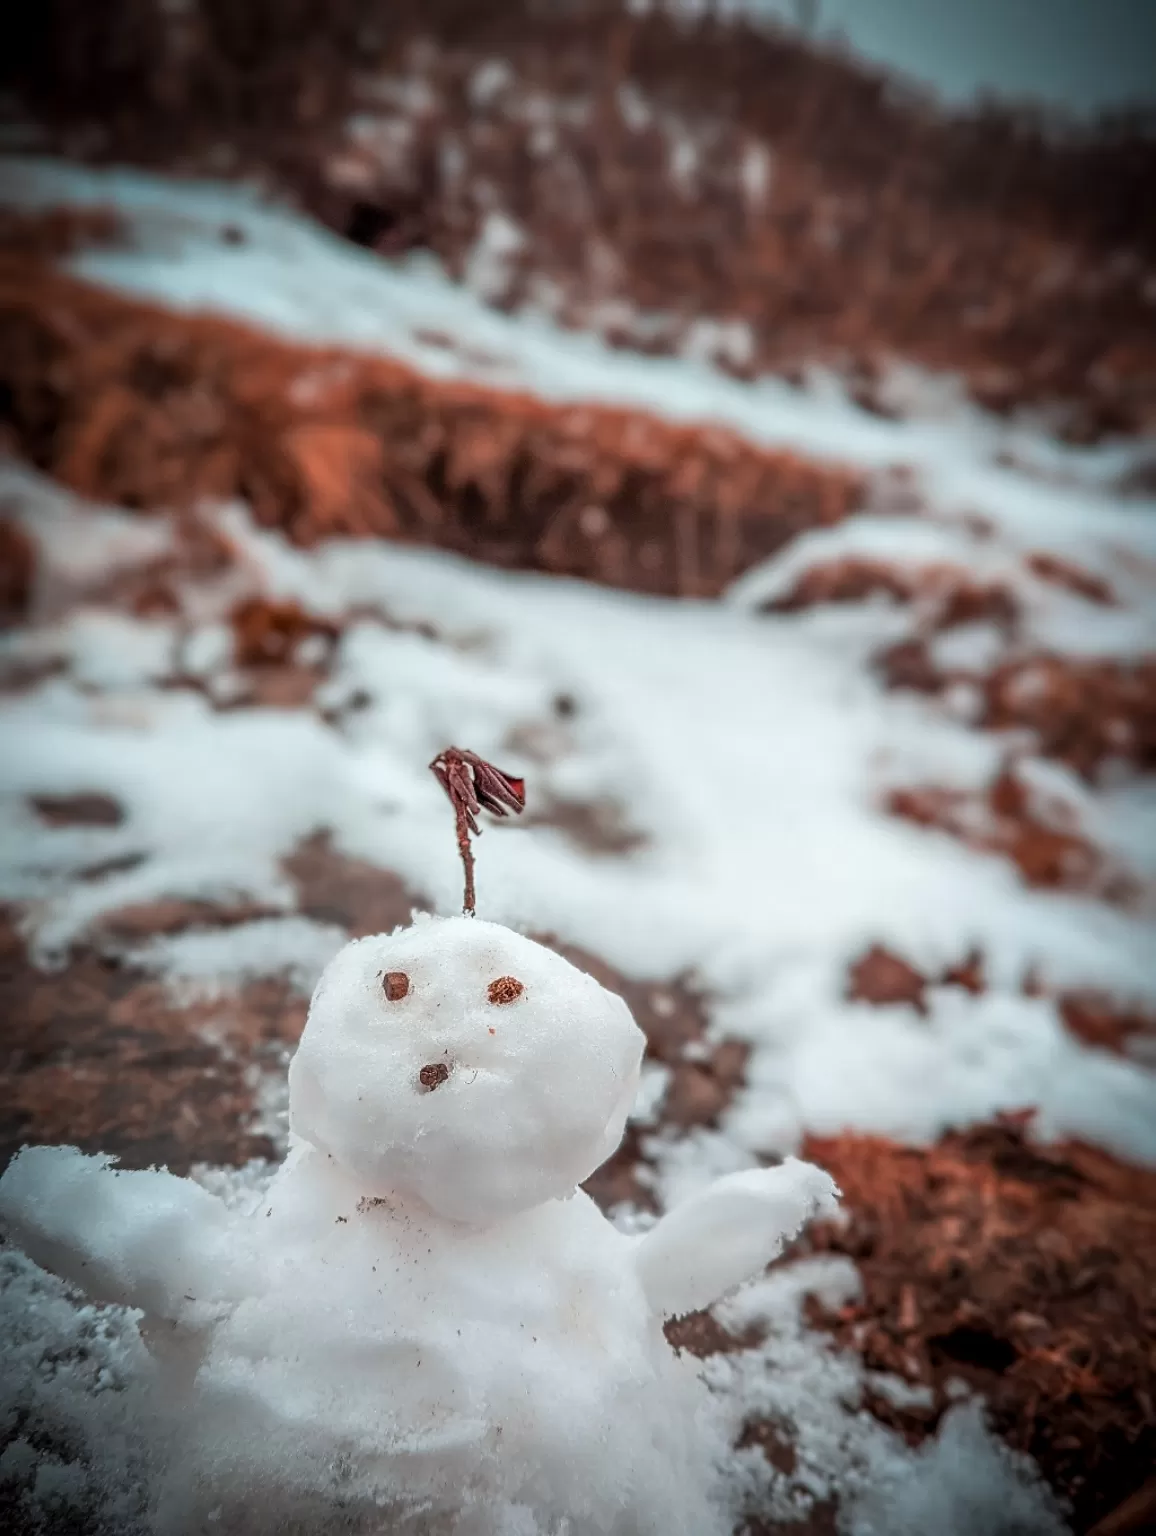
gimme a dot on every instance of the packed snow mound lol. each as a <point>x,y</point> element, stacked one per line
<point>421,1319</point>
<point>461,1064</point>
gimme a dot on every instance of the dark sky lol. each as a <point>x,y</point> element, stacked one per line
<point>1078,53</point>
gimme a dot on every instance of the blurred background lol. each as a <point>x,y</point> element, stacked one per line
<point>739,420</point>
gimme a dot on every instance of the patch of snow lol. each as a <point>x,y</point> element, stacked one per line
<point>962,1482</point>
<point>206,650</point>
<point>652,1086</point>
<point>968,648</point>
<point>720,341</point>
<point>209,963</point>
<point>75,1388</point>
<point>489,263</point>
<point>756,170</point>
<point>172,763</point>
<point>489,81</point>
<point>76,540</point>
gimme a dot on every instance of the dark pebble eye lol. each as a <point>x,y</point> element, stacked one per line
<point>395,985</point>
<point>434,1075</point>
<point>505,990</point>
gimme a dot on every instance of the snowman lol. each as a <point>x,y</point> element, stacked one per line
<point>424,1325</point>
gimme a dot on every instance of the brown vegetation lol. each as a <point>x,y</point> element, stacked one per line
<point>136,405</point>
<point>1038,837</point>
<point>55,232</point>
<point>945,595</point>
<point>1028,1272</point>
<point>17,571</point>
<point>881,977</point>
<point>1082,712</point>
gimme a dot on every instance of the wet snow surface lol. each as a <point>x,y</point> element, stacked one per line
<point>749,753</point>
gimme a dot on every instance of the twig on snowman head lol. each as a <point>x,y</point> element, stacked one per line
<point>474,785</point>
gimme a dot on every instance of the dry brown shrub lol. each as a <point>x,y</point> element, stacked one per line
<point>1046,847</point>
<point>55,232</point>
<point>17,572</point>
<point>1026,1271</point>
<point>133,404</point>
<point>1083,713</point>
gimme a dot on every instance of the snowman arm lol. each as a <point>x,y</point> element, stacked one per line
<point>140,1239</point>
<point>728,1233</point>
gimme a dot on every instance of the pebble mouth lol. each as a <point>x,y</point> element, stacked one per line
<point>395,985</point>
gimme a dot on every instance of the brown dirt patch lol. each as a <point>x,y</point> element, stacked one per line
<point>1065,573</point>
<point>1084,713</point>
<point>354,895</point>
<point>171,408</point>
<point>882,977</point>
<point>598,827</point>
<point>268,631</point>
<point>1027,1271</point>
<point>17,571</point>
<point>1108,1023</point>
<point>1037,837</point>
<point>56,232</point>
<point>84,810</point>
<point>96,1056</point>
<point>946,595</point>
<point>704,1075</point>
<point>99,1056</point>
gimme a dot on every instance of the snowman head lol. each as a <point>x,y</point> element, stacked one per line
<point>462,1064</point>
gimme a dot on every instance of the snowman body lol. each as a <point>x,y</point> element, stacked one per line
<point>469,1371</point>
<point>489,1329</point>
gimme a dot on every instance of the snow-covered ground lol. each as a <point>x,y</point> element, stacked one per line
<point>750,751</point>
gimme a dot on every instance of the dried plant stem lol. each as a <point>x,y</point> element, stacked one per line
<point>465,848</point>
<point>474,785</point>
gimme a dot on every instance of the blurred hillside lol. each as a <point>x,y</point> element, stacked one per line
<point>672,182</point>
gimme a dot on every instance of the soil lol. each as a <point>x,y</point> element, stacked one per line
<point>1026,1271</point>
